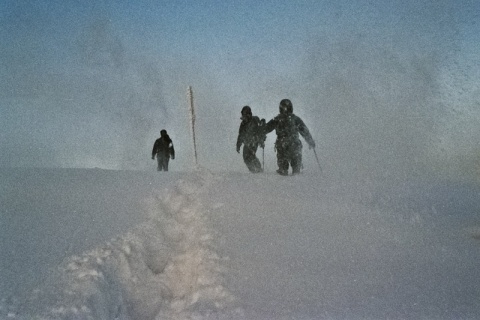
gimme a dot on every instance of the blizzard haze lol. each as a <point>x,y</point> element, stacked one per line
<point>384,87</point>
<point>385,225</point>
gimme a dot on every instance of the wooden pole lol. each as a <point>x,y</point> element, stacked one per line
<point>191,107</point>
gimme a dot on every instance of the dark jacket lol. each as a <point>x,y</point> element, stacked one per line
<point>287,127</point>
<point>250,133</point>
<point>163,146</point>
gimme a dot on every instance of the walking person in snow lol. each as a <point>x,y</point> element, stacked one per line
<point>288,144</point>
<point>163,150</point>
<point>251,135</point>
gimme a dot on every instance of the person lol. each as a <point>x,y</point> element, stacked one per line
<point>288,145</point>
<point>251,136</point>
<point>163,150</point>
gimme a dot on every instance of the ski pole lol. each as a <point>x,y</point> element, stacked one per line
<point>263,158</point>
<point>316,157</point>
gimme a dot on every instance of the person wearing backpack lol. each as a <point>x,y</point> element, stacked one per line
<point>163,150</point>
<point>288,146</point>
<point>251,136</point>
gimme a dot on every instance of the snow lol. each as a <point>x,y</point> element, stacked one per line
<point>107,244</point>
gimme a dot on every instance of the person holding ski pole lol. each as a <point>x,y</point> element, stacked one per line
<point>288,146</point>
<point>251,135</point>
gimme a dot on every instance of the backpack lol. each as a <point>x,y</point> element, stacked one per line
<point>261,135</point>
<point>287,127</point>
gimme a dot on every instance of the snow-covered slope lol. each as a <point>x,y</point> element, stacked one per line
<point>99,244</point>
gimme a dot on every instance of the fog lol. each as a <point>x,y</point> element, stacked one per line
<point>388,89</point>
<point>385,88</point>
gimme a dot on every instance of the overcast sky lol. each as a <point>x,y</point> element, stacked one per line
<point>381,84</point>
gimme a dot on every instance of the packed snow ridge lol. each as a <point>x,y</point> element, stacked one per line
<point>161,269</point>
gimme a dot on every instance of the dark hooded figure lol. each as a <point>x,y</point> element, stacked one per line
<point>288,144</point>
<point>163,149</point>
<point>251,136</point>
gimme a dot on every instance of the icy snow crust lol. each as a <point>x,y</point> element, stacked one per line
<point>239,246</point>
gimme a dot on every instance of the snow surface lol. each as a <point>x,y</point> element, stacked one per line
<point>104,244</point>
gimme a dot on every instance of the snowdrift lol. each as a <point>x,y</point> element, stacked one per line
<point>202,245</point>
<point>161,268</point>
